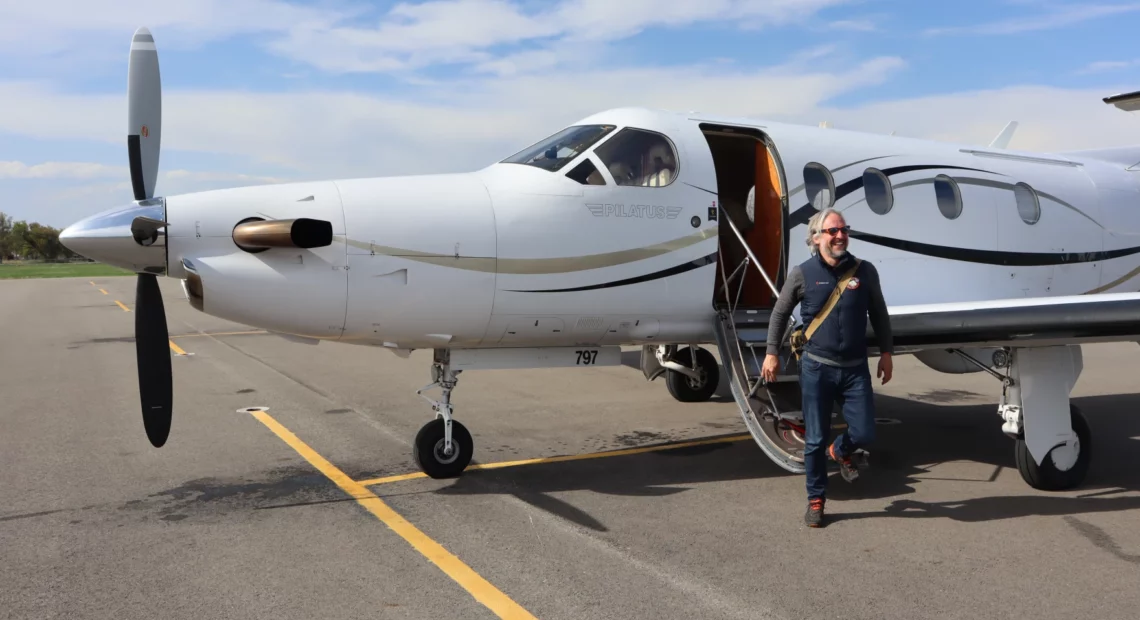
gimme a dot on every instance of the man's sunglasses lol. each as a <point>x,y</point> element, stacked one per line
<point>834,230</point>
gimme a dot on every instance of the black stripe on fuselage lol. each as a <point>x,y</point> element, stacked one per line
<point>994,257</point>
<point>665,273</point>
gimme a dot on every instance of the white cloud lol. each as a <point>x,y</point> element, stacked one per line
<point>59,170</point>
<point>472,31</point>
<point>853,25</point>
<point>90,170</point>
<point>1050,119</point>
<point>439,127</point>
<point>223,177</point>
<point>48,26</point>
<point>470,124</point>
<point>1105,66</point>
<point>1056,18</point>
<point>340,36</point>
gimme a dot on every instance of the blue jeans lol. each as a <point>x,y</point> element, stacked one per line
<point>823,385</point>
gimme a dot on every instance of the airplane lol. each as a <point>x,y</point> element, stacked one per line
<point>628,228</point>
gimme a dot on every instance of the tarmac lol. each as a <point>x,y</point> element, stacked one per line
<point>595,495</point>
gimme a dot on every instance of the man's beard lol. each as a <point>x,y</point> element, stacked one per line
<point>831,252</point>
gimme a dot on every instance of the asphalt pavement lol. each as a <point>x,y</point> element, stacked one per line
<point>311,505</point>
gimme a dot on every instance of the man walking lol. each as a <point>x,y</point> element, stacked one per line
<point>836,292</point>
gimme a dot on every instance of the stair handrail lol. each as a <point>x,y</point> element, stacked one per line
<point>756,261</point>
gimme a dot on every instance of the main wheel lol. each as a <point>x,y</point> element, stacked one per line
<point>687,389</point>
<point>1046,476</point>
<point>429,453</point>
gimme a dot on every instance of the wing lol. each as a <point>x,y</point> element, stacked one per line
<point>1028,322</point>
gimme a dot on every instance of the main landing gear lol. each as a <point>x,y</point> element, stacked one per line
<point>1053,445</point>
<point>689,377</point>
<point>443,447</point>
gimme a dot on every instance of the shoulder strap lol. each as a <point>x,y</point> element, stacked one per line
<point>839,288</point>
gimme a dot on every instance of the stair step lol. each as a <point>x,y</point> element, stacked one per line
<point>743,358</point>
<point>753,336</point>
<point>751,316</point>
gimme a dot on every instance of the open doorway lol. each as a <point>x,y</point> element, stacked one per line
<point>746,162</point>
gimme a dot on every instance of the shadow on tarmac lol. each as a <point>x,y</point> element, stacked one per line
<point>929,433</point>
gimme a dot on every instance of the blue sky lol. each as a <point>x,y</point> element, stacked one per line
<point>259,91</point>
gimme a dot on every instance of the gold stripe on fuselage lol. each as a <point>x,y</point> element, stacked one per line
<point>538,266</point>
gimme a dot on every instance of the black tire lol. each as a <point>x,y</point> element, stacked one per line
<point>684,388</point>
<point>428,449</point>
<point>1046,476</point>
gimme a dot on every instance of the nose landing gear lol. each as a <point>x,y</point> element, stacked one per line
<point>443,448</point>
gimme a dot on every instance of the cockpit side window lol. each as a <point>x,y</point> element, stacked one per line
<point>640,158</point>
<point>556,151</point>
<point>587,173</point>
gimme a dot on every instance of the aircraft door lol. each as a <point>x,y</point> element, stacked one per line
<point>765,208</point>
<point>752,192</point>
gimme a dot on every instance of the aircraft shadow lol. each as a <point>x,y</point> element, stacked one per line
<point>650,474</point>
<point>932,433</point>
<point>928,434</point>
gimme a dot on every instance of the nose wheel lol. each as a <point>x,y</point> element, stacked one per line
<point>433,454</point>
<point>443,447</point>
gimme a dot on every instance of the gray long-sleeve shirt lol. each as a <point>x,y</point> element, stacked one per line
<point>793,293</point>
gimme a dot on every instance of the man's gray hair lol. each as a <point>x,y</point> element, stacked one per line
<point>814,225</point>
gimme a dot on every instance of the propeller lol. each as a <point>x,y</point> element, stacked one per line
<point>144,132</point>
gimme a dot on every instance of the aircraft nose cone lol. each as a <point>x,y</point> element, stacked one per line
<point>132,237</point>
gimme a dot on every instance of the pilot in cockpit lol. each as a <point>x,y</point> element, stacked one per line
<point>660,166</point>
<point>640,159</point>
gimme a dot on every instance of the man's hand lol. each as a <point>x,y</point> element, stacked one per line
<point>770,368</point>
<point>886,367</point>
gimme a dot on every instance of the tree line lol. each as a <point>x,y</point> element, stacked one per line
<point>19,239</point>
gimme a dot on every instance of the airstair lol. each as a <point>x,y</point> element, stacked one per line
<point>771,411</point>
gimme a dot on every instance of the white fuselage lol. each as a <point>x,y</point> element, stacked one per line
<point>516,255</point>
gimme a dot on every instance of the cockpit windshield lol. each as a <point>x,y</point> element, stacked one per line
<point>556,151</point>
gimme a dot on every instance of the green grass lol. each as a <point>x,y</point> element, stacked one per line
<point>9,271</point>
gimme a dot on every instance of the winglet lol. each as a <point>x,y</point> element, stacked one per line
<point>1129,102</point>
<point>1002,139</point>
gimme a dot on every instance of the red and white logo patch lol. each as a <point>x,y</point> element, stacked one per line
<point>853,284</point>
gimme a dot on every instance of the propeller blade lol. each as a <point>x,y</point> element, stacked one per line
<point>152,354</point>
<point>144,114</point>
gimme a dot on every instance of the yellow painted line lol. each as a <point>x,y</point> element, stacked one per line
<point>177,349</point>
<point>476,585</point>
<point>260,331</point>
<point>562,459</point>
<point>92,283</point>
<point>103,291</point>
<point>401,477</point>
<point>125,309</point>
